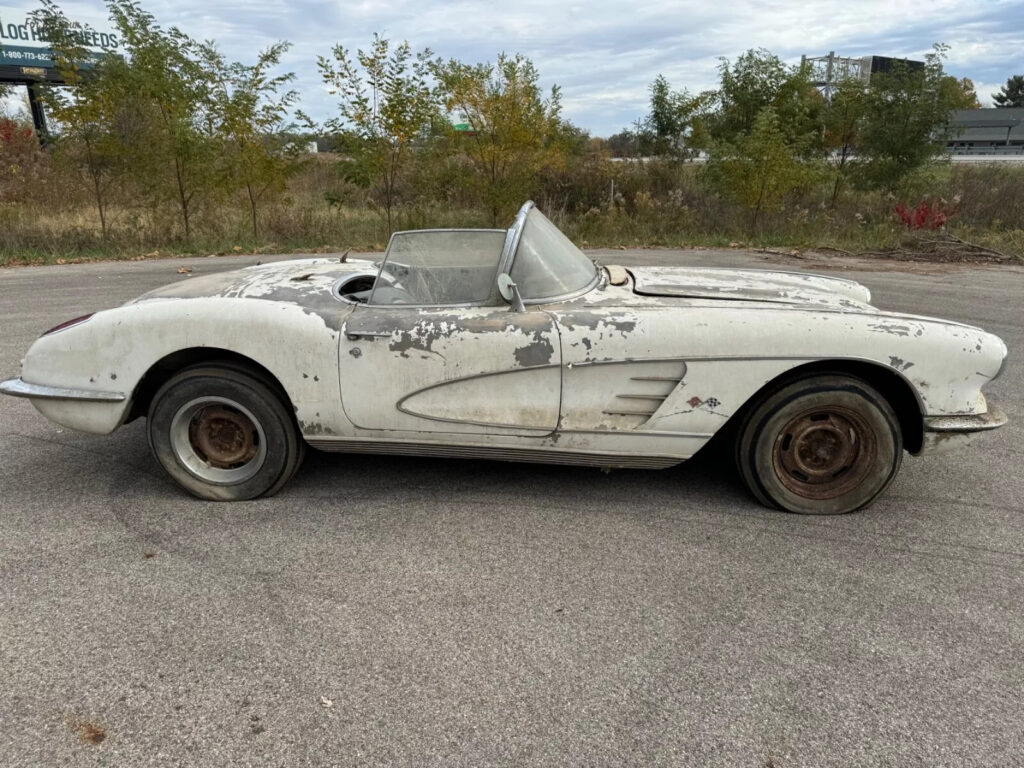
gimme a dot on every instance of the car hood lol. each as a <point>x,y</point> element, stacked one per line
<point>749,285</point>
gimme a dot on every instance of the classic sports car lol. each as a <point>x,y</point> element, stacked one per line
<point>514,345</point>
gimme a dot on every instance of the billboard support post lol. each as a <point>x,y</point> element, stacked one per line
<point>23,60</point>
<point>38,113</point>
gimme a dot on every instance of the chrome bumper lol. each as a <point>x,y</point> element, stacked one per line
<point>946,433</point>
<point>19,388</point>
<point>975,422</point>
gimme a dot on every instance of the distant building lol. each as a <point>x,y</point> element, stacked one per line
<point>987,132</point>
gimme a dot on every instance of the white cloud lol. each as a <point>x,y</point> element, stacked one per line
<point>14,106</point>
<point>985,91</point>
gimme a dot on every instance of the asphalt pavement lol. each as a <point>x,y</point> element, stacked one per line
<point>419,612</point>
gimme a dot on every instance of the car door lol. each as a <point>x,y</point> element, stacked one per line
<point>436,350</point>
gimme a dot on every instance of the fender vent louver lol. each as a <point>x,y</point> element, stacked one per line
<point>646,393</point>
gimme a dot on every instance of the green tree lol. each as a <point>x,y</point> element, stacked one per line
<point>1011,94</point>
<point>842,117</point>
<point>759,79</point>
<point>385,104</point>
<point>627,143</point>
<point>515,131</point>
<point>674,119</point>
<point>906,121</point>
<point>959,94</point>
<point>170,120</point>
<point>760,168</point>
<point>251,108</point>
<point>179,153</point>
<point>94,117</point>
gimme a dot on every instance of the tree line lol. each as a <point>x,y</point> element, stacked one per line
<point>767,129</point>
<point>172,122</point>
<point>174,126</point>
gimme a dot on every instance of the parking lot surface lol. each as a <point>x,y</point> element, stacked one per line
<point>404,611</point>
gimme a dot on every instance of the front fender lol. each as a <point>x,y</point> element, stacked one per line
<point>115,348</point>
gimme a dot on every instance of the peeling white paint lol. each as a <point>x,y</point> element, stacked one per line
<point>611,372</point>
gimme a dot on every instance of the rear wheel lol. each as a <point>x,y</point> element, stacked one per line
<point>824,445</point>
<point>223,434</point>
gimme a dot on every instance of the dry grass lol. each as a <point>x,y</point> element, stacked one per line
<point>655,204</point>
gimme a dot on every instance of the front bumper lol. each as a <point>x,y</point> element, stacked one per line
<point>20,388</point>
<point>94,411</point>
<point>946,433</point>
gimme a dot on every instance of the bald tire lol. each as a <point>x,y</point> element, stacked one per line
<point>284,448</point>
<point>820,445</point>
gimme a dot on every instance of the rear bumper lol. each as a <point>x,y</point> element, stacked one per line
<point>945,433</point>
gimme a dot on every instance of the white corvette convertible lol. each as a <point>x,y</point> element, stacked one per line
<point>514,345</point>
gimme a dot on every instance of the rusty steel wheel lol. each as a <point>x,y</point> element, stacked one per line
<point>825,444</point>
<point>218,440</point>
<point>224,433</point>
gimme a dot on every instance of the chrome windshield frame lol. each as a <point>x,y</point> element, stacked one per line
<point>512,240</point>
<point>513,236</point>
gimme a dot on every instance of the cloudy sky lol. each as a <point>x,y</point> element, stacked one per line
<point>605,54</point>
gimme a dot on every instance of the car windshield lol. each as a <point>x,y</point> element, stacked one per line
<point>439,267</point>
<point>547,264</point>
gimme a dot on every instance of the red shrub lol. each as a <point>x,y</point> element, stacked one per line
<point>924,216</point>
<point>13,133</point>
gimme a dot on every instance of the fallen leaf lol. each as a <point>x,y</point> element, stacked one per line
<point>91,733</point>
<point>325,702</point>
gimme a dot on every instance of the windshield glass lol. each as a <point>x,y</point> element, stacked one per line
<point>547,264</point>
<point>437,267</point>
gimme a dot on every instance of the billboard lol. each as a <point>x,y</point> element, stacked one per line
<point>23,48</point>
<point>22,56</point>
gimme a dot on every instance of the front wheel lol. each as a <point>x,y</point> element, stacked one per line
<point>223,434</point>
<point>821,445</point>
